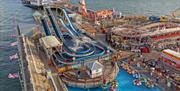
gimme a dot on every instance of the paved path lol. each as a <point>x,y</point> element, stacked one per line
<point>36,68</point>
<point>55,79</point>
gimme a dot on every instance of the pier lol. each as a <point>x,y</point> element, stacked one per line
<point>24,71</point>
<point>32,75</point>
<point>37,67</point>
<point>63,52</point>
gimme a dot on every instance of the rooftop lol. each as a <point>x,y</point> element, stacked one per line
<point>88,28</point>
<point>177,29</point>
<point>94,65</point>
<point>50,41</point>
<point>176,54</point>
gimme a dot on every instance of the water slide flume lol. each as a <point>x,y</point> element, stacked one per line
<point>70,23</point>
<point>45,26</point>
<point>60,35</point>
<point>94,45</point>
<point>87,54</point>
<point>91,50</point>
<point>54,23</point>
<point>65,26</point>
<point>55,27</point>
<point>90,47</point>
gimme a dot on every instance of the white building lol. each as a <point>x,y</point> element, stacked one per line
<point>95,69</point>
<point>36,2</point>
<point>50,44</point>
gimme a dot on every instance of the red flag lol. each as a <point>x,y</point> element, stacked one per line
<point>13,57</point>
<point>13,75</point>
<point>13,35</point>
<point>14,43</point>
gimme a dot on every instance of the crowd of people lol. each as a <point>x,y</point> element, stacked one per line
<point>161,76</point>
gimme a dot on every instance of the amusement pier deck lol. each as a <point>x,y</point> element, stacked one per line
<point>33,76</point>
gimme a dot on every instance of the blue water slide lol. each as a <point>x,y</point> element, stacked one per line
<point>83,55</point>
<point>67,56</point>
<point>90,50</point>
<point>64,25</point>
<point>54,24</point>
<point>49,12</point>
<point>97,54</point>
<point>45,26</point>
<point>88,46</point>
<point>69,21</point>
<point>60,58</point>
<point>99,51</point>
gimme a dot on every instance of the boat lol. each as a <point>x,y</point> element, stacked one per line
<point>136,75</point>
<point>113,86</point>
<point>137,82</point>
<point>105,86</point>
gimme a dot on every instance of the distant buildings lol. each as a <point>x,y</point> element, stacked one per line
<point>40,3</point>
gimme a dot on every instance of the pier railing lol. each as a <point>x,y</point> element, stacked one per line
<point>24,73</point>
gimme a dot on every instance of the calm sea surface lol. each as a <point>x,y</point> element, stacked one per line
<point>13,10</point>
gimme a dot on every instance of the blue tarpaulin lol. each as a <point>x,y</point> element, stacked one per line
<point>154,18</point>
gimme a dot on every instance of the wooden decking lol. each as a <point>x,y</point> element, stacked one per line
<point>36,68</point>
<point>37,65</point>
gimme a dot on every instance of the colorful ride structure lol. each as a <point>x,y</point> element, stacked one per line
<point>143,37</point>
<point>76,46</point>
<point>94,15</point>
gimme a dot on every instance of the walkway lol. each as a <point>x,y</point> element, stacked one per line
<point>55,78</point>
<point>24,74</point>
<point>36,68</point>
